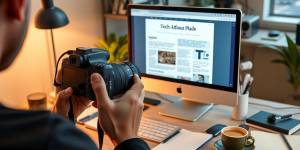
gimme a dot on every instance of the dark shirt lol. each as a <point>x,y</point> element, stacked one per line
<point>20,129</point>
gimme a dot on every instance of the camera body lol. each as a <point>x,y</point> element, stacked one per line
<point>78,67</point>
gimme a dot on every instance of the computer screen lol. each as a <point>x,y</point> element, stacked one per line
<point>185,46</point>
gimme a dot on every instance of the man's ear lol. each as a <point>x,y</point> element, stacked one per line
<point>16,9</point>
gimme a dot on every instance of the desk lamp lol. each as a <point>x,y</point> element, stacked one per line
<point>51,17</point>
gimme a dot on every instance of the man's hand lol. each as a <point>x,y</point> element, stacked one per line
<point>119,118</point>
<point>62,103</point>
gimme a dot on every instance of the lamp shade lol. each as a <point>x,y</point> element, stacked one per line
<point>50,16</point>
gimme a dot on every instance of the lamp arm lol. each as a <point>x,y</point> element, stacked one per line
<point>47,3</point>
<point>53,46</point>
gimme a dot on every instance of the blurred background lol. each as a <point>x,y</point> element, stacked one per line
<point>102,23</point>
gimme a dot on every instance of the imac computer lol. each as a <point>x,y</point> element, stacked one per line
<point>188,52</point>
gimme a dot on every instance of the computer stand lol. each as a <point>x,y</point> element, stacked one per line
<point>185,110</point>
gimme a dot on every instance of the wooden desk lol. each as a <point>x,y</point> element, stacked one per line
<point>219,114</point>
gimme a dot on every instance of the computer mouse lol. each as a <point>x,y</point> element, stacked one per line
<point>215,130</point>
<point>244,126</point>
<point>274,33</point>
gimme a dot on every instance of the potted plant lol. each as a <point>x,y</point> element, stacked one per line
<point>289,57</point>
<point>116,46</point>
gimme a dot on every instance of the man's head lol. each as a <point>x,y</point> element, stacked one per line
<point>14,19</point>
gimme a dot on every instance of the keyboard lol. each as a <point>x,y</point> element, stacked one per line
<point>152,130</point>
<point>157,131</point>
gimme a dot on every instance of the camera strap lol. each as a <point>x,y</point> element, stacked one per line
<point>100,135</point>
<point>99,129</point>
<point>71,113</point>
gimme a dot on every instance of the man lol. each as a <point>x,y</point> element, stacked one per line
<point>119,118</point>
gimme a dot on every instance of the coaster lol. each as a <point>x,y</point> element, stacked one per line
<point>219,146</point>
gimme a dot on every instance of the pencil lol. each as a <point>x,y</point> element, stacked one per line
<point>286,142</point>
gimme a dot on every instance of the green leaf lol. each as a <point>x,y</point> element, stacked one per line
<point>117,47</point>
<point>292,49</point>
<point>290,57</point>
<point>278,50</point>
<point>123,52</point>
<point>286,53</point>
<point>123,40</point>
<point>279,61</point>
<point>112,49</point>
<point>102,44</point>
<point>111,38</point>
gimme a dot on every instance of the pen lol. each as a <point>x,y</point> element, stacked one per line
<point>248,85</point>
<point>172,135</point>
<point>286,142</point>
<point>89,117</point>
<point>240,81</point>
<point>240,84</point>
<point>245,81</point>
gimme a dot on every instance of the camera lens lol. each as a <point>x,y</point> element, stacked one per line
<point>118,78</point>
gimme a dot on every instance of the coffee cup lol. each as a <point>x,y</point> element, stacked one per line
<point>236,138</point>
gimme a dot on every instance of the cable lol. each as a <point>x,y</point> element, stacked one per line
<point>71,112</point>
<point>273,107</point>
<point>100,135</point>
<point>57,63</point>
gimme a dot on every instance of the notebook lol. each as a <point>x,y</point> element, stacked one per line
<point>260,120</point>
<point>185,140</point>
<point>89,118</point>
<point>265,141</point>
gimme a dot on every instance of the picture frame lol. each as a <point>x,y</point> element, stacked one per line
<point>123,7</point>
<point>115,7</point>
<point>108,5</point>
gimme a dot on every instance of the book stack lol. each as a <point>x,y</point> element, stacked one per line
<point>260,121</point>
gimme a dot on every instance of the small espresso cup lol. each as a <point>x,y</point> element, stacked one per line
<point>236,138</point>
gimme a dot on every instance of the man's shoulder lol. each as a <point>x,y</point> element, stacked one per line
<point>15,118</point>
<point>39,130</point>
<point>12,118</point>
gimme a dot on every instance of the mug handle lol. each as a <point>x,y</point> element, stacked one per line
<point>249,141</point>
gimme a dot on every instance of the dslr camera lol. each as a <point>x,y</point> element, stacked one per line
<point>81,63</point>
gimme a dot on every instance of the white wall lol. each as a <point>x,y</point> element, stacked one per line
<point>31,70</point>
